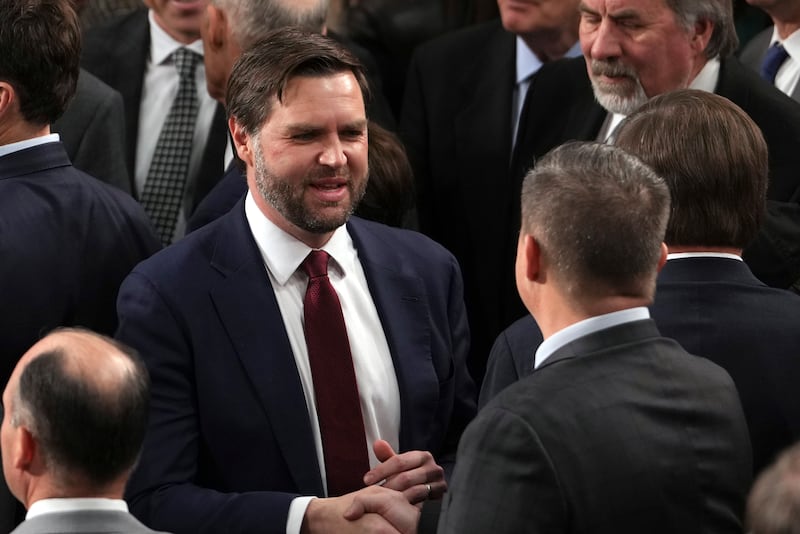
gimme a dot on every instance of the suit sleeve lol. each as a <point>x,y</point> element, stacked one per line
<point>164,491</point>
<point>503,482</point>
<point>501,370</point>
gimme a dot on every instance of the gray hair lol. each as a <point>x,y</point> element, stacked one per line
<point>724,40</point>
<point>599,215</point>
<point>251,20</point>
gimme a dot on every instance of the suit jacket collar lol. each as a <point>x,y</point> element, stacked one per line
<point>82,521</point>
<point>627,333</point>
<point>703,270</point>
<point>247,307</point>
<point>33,160</point>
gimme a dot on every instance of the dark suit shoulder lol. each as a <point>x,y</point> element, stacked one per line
<point>753,52</point>
<point>118,38</point>
<point>459,47</point>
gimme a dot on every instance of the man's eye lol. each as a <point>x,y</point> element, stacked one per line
<point>305,136</point>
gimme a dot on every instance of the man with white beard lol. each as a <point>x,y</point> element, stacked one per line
<point>637,49</point>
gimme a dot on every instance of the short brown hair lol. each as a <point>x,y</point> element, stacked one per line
<point>714,160</point>
<point>264,70</point>
<point>41,47</point>
<point>598,214</point>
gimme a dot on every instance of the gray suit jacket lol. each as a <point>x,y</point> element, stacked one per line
<point>92,130</point>
<point>84,522</point>
<point>620,431</point>
<point>753,54</point>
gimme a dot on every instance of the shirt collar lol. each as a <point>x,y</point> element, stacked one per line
<point>528,63</point>
<point>286,252</point>
<point>51,506</point>
<point>791,43</point>
<point>684,255</point>
<point>586,327</point>
<point>162,45</point>
<point>28,143</point>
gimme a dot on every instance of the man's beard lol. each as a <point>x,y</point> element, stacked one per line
<point>288,198</point>
<point>623,98</point>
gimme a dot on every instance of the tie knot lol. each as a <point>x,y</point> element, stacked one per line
<point>774,58</point>
<point>185,62</point>
<point>316,264</point>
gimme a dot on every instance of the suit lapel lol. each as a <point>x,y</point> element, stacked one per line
<point>401,301</point>
<point>247,307</point>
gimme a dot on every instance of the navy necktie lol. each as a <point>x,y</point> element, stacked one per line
<point>341,424</point>
<point>774,58</point>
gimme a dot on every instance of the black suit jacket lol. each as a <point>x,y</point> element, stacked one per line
<point>619,431</point>
<point>714,308</point>
<point>93,132</point>
<point>66,243</point>
<point>117,54</point>
<point>456,125</point>
<point>561,107</point>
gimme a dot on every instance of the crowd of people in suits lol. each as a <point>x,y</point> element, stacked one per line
<point>374,266</point>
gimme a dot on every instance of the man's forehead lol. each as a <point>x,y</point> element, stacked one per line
<point>622,7</point>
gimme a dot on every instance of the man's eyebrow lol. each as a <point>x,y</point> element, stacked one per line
<point>583,8</point>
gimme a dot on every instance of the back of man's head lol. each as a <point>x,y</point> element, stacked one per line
<point>773,506</point>
<point>83,399</point>
<point>714,160</point>
<point>40,44</point>
<point>598,215</point>
<point>251,20</point>
<point>264,70</point>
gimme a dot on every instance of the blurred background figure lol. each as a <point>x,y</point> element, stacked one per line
<point>774,503</point>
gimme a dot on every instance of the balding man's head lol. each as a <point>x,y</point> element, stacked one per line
<point>76,412</point>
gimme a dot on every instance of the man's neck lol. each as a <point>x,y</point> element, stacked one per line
<point>551,45</point>
<point>21,131</point>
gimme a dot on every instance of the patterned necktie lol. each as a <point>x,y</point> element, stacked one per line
<point>166,179</point>
<point>341,423</point>
<point>774,58</point>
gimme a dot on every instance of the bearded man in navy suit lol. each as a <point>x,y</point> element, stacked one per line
<point>234,440</point>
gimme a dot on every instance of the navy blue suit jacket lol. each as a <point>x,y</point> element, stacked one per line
<point>66,243</point>
<point>229,443</point>
<point>715,308</point>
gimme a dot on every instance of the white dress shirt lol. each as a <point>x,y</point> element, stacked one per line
<point>684,255</point>
<point>584,328</point>
<point>53,506</point>
<point>789,73</point>
<point>160,86</point>
<point>372,360</point>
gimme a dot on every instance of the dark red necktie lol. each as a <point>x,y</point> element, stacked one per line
<point>338,408</point>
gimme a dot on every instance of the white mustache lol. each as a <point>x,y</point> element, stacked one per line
<point>612,68</point>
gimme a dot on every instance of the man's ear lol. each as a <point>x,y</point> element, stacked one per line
<point>533,258</point>
<point>703,29</point>
<point>241,141</point>
<point>216,27</point>
<point>662,260</point>
<point>7,97</point>
<point>25,448</point>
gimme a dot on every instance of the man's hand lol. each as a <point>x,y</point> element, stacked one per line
<point>415,473</point>
<point>352,513</point>
<point>389,504</point>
